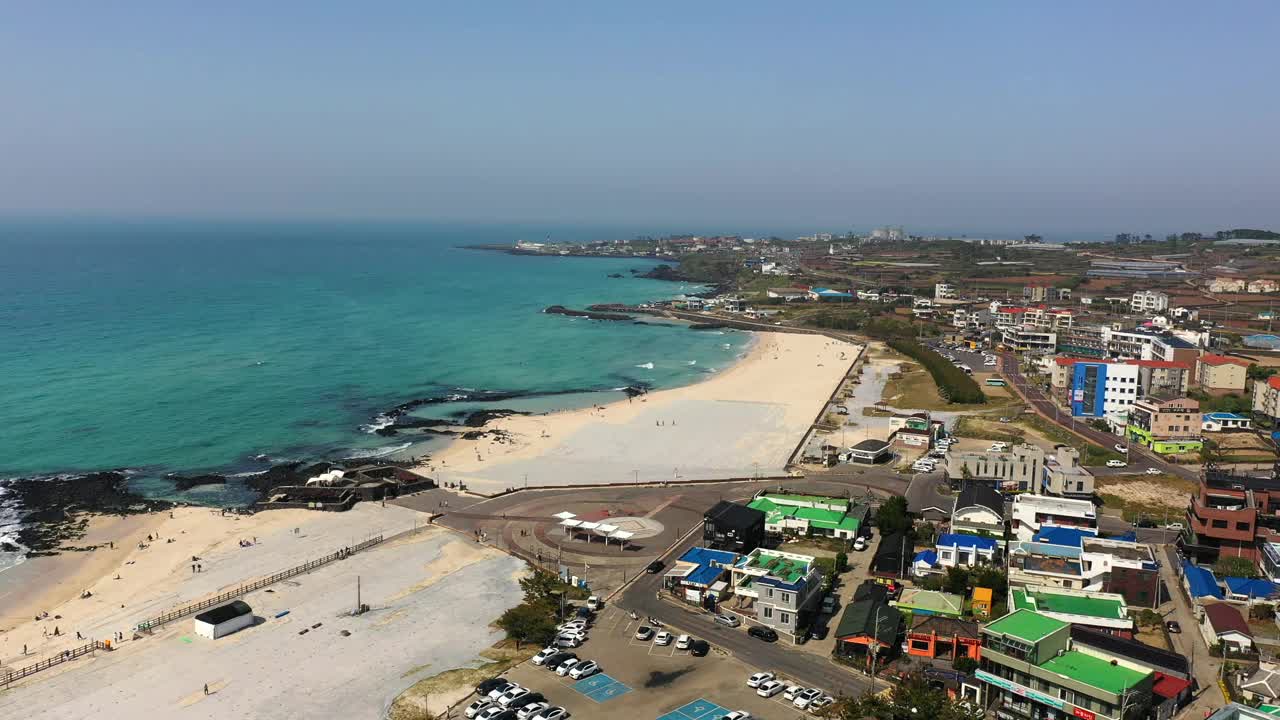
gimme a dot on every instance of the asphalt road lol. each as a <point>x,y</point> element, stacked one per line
<point>779,657</point>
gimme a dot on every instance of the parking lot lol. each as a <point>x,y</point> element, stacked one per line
<point>641,679</point>
<point>965,357</point>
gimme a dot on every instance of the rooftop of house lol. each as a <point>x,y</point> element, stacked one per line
<point>1224,618</point>
<point>931,601</point>
<point>1044,503</point>
<point>1094,671</point>
<point>963,540</point>
<point>788,569</point>
<point>1209,359</point>
<point>787,498</point>
<point>1224,416</point>
<point>1094,605</point>
<point>1025,625</point>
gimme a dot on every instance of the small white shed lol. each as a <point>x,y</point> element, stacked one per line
<point>224,620</point>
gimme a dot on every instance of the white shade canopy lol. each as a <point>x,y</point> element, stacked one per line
<point>605,528</point>
<point>585,525</point>
<point>570,523</point>
<point>622,535</point>
<point>564,515</point>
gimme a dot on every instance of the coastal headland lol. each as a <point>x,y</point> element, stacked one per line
<point>741,422</point>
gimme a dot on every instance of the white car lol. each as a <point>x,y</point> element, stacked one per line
<point>594,603</point>
<point>579,625</point>
<point>770,688</point>
<point>545,653</point>
<point>491,712</point>
<point>584,669</point>
<point>477,707</point>
<point>737,715</point>
<point>662,638</point>
<point>804,698</point>
<point>860,543</point>
<point>565,641</point>
<point>759,678</point>
<point>578,635</point>
<point>497,692</point>
<point>1116,463</point>
<point>644,632</point>
<point>507,697</point>
<point>531,709</point>
<point>552,713</point>
<point>683,642</point>
<point>820,704</point>
<point>1121,448</point>
<point>1153,471</point>
<point>792,691</point>
<point>568,665</point>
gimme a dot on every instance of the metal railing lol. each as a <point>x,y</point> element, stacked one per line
<point>245,589</point>
<point>10,676</point>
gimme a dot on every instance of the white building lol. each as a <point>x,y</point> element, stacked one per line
<point>1149,301</point>
<point>1031,513</point>
<point>944,291</point>
<point>223,620</point>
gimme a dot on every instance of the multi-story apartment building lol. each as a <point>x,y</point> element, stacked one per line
<point>1083,341</point>
<point>1074,560</point>
<point>1227,285</point>
<point>1221,372</point>
<point>1032,670</point>
<point>1154,376</point>
<point>1147,345</point>
<point>1097,388</point>
<point>781,586</point>
<point>1029,339</point>
<point>971,318</point>
<point>1165,424</point>
<point>1266,397</point>
<point>1064,475</point>
<point>1232,515</point>
<point>1046,318</point>
<point>1033,513</point>
<point>1019,469</point>
<point>1149,301</point>
<point>944,291</point>
<point>1105,611</point>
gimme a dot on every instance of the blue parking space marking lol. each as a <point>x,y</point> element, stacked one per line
<point>700,709</point>
<point>601,687</point>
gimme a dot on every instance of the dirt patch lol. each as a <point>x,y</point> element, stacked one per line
<point>444,689</point>
<point>971,426</point>
<point>1138,495</point>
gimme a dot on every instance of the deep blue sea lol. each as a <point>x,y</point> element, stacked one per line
<point>164,346</point>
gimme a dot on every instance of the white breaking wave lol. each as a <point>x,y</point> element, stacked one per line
<point>379,452</point>
<point>693,362</point>
<point>379,422</point>
<point>646,366</point>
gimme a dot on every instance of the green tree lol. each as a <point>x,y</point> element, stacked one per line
<point>528,622</point>
<point>1235,567</point>
<point>1100,425</point>
<point>965,664</point>
<point>892,516</point>
<point>956,580</point>
<point>1257,372</point>
<point>541,588</point>
<point>991,576</point>
<point>842,561</point>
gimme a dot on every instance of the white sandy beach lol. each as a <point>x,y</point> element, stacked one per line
<point>743,421</point>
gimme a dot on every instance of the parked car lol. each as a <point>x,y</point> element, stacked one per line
<point>1153,471</point>
<point>555,660</point>
<point>477,707</point>
<point>758,679</point>
<point>644,632</point>
<point>792,691</point>
<point>699,648</point>
<point>584,669</point>
<point>737,715</point>
<point>818,631</point>
<point>728,620</point>
<point>528,711</point>
<point>662,638</point>
<point>860,543</point>
<point>528,697</point>
<point>487,686</point>
<point>544,654</point>
<point>563,669</point>
<point>497,690</point>
<point>594,603</point>
<point>1116,463</point>
<point>552,713</point>
<point>1121,448</point>
<point>769,688</point>
<point>567,641</point>
<point>683,642</point>
<point>806,698</point>
<point>506,698</point>
<point>1146,523</point>
<point>573,632</point>
<point>762,633</point>
<point>820,704</point>
<point>492,712</point>
<point>1003,419</point>
<point>829,604</point>
<point>654,567</point>
<point>1174,526</point>
<point>1173,626</point>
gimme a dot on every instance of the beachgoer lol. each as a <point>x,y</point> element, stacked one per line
<point>206,688</point>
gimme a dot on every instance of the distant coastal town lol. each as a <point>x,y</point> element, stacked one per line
<point>985,474</point>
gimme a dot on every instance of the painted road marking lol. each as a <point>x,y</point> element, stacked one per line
<point>600,687</point>
<point>700,709</point>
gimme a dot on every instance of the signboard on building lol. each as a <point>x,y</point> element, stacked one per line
<point>1020,690</point>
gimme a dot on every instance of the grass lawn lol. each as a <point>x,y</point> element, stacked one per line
<point>914,389</point>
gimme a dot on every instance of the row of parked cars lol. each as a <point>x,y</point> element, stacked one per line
<point>501,699</point>
<point>696,647</point>
<point>767,685</point>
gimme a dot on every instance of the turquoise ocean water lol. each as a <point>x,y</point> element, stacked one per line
<point>184,346</point>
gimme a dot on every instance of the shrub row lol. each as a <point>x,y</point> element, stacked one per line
<point>953,383</point>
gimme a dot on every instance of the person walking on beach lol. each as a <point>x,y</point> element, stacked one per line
<point>206,688</point>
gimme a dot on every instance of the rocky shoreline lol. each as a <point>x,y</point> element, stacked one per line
<point>54,511</point>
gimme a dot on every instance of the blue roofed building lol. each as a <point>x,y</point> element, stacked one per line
<point>1264,341</point>
<point>1247,589</point>
<point>925,562</point>
<point>964,550</point>
<point>1200,582</point>
<point>822,294</point>
<point>701,576</point>
<point>1220,421</point>
<point>1054,535</point>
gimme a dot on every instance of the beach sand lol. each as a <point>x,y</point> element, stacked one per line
<point>157,575</point>
<point>744,421</point>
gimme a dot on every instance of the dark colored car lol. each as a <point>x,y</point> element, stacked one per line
<point>763,633</point>
<point>1173,626</point>
<point>487,686</point>
<point>554,661</point>
<point>655,567</point>
<point>698,648</point>
<point>1146,523</point>
<point>818,632</point>
<point>584,613</point>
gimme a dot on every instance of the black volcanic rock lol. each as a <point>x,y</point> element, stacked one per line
<point>562,310</point>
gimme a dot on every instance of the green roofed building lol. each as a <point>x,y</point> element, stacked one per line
<point>787,514</point>
<point>1092,609</point>
<point>1032,670</point>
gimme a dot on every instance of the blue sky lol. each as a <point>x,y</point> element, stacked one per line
<point>1003,117</point>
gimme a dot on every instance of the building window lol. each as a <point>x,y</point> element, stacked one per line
<point>1242,526</point>
<point>1220,524</point>
<point>786,597</point>
<point>786,618</point>
<point>768,612</point>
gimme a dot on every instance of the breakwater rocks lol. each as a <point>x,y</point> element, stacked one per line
<point>589,314</point>
<point>708,326</point>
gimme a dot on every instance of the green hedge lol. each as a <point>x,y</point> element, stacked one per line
<point>953,383</point>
